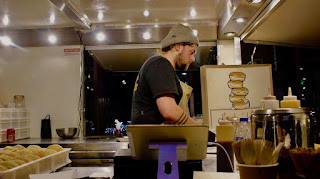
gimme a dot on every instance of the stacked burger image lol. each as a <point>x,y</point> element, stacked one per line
<point>238,92</point>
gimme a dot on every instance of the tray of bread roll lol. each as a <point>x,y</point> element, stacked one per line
<point>19,162</point>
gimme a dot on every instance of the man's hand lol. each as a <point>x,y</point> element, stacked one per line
<point>172,112</point>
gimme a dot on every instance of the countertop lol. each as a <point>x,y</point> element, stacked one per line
<point>58,140</point>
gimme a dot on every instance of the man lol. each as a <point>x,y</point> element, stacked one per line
<point>157,90</point>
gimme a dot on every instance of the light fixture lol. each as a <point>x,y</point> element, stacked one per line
<point>89,76</point>
<point>52,38</point>
<point>6,41</point>
<point>193,13</point>
<point>100,36</point>
<point>156,25</point>
<point>124,82</point>
<point>128,26</point>
<point>52,18</point>
<point>230,34</point>
<point>301,69</point>
<point>146,13</point>
<point>195,32</point>
<point>184,74</point>
<point>88,87</point>
<point>304,88</point>
<point>185,24</point>
<point>254,1</point>
<point>100,15</point>
<point>146,35</point>
<point>304,78</point>
<point>240,19</point>
<point>302,94</point>
<point>5,20</point>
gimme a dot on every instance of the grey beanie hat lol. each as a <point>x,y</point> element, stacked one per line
<point>178,34</point>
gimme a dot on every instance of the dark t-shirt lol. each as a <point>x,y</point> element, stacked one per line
<point>156,77</point>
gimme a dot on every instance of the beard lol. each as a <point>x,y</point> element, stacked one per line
<point>180,65</point>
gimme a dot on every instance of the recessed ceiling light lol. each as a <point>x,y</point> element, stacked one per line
<point>230,34</point>
<point>146,13</point>
<point>52,38</point>
<point>100,15</point>
<point>5,20</point>
<point>6,41</point>
<point>195,32</point>
<point>193,13</point>
<point>128,26</point>
<point>254,1</point>
<point>100,36</point>
<point>146,35</point>
<point>240,19</point>
<point>52,18</point>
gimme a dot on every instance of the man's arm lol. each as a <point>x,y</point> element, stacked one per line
<point>172,113</point>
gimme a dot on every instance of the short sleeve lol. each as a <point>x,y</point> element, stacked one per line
<point>161,78</point>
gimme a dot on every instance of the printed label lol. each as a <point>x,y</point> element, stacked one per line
<point>239,138</point>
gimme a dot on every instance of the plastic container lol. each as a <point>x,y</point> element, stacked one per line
<point>242,129</point>
<point>19,101</point>
<point>43,165</point>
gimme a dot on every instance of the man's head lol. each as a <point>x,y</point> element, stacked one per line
<point>183,43</point>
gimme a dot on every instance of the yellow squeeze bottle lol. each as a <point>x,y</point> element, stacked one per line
<point>290,101</point>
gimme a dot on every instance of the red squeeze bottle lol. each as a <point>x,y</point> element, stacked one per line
<point>11,135</point>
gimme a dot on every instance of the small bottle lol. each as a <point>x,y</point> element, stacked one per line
<point>243,129</point>
<point>290,101</point>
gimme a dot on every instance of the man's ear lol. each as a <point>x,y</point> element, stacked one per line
<point>178,48</point>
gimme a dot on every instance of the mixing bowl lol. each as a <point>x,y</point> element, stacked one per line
<point>67,133</point>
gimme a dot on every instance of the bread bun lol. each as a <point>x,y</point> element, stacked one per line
<point>25,152</point>
<point>23,158</point>
<point>233,98</point>
<point>240,91</point>
<point>55,147</point>
<point>5,157</point>
<point>3,168</point>
<point>237,76</point>
<point>245,104</point>
<point>9,164</point>
<point>19,147</point>
<point>235,84</point>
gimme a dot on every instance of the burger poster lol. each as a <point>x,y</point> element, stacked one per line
<point>233,90</point>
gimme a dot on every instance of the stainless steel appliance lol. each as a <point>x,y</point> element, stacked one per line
<point>274,125</point>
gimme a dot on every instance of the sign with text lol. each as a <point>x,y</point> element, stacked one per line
<point>71,51</point>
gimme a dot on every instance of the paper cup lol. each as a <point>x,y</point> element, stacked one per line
<point>258,171</point>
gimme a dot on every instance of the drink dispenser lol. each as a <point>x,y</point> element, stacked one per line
<point>274,125</point>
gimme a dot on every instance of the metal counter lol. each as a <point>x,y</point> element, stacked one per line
<point>86,151</point>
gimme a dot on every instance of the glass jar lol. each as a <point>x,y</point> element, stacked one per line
<point>19,101</point>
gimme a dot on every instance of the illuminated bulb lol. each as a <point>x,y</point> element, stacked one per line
<point>146,35</point>
<point>100,36</point>
<point>240,20</point>
<point>156,25</point>
<point>100,15</point>
<point>256,1</point>
<point>52,38</point>
<point>52,18</point>
<point>230,34</point>
<point>146,13</point>
<point>6,41</point>
<point>5,20</point>
<point>195,32</point>
<point>193,13</point>
<point>128,26</point>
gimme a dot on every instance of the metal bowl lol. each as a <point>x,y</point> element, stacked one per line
<point>67,133</point>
